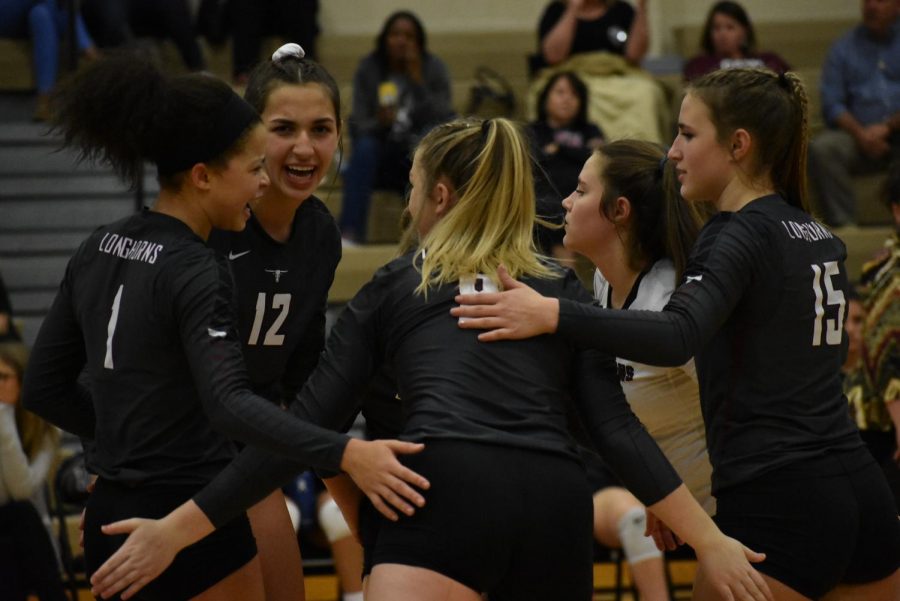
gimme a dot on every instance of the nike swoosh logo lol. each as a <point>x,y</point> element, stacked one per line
<point>232,256</point>
<point>693,278</point>
<point>216,333</point>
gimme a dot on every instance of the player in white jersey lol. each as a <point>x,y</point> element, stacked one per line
<point>627,217</point>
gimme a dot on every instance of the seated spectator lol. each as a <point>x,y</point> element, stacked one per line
<point>604,43</point>
<point>117,23</point>
<point>400,91</point>
<point>728,41</point>
<point>251,20</point>
<point>876,403</point>
<point>28,447</point>
<point>46,25</point>
<point>860,90</point>
<point>563,139</point>
<point>579,26</point>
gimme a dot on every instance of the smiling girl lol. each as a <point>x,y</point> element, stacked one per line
<point>283,264</point>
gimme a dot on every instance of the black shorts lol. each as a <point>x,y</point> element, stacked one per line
<point>510,522</point>
<point>821,523</point>
<point>195,569</point>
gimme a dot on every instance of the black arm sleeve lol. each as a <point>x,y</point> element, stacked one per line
<point>614,430</point>
<point>697,309</point>
<point>617,433</point>
<point>202,298</point>
<point>50,387</point>
<point>312,340</point>
<point>329,399</point>
<point>304,358</point>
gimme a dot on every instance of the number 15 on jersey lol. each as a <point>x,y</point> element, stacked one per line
<point>822,274</point>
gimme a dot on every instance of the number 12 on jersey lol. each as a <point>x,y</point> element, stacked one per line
<point>273,338</point>
<point>832,297</point>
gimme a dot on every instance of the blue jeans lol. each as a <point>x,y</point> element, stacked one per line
<point>46,25</point>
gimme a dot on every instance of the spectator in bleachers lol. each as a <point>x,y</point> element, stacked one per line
<point>563,139</point>
<point>578,26</point>
<point>28,447</point>
<point>45,24</point>
<point>251,20</point>
<point>604,42</point>
<point>7,326</point>
<point>400,91</point>
<point>729,41</point>
<point>860,90</point>
<point>878,410</point>
<point>116,23</point>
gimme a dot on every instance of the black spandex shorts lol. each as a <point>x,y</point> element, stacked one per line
<point>511,522</point>
<point>821,523</point>
<point>195,569</point>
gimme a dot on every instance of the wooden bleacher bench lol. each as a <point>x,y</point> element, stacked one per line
<point>15,65</point>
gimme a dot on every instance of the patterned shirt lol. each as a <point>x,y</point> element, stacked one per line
<point>881,334</point>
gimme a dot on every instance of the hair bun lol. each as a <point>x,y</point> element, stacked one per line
<point>287,50</point>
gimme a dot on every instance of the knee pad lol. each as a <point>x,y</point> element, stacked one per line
<point>636,546</point>
<point>293,513</point>
<point>332,521</point>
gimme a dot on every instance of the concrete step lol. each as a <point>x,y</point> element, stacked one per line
<point>17,243</point>
<point>32,302</point>
<point>24,132</point>
<point>64,215</point>
<point>43,159</point>
<point>72,186</point>
<point>34,273</point>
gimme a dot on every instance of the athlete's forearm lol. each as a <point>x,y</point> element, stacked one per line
<point>681,512</point>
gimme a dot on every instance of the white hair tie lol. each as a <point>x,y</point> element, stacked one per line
<point>290,49</point>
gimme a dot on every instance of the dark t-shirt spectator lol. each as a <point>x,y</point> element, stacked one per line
<point>608,33</point>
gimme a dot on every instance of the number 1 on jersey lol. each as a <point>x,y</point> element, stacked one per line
<point>833,327</point>
<point>111,327</point>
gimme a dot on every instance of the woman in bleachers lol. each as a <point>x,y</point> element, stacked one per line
<point>400,91</point>
<point>563,139</point>
<point>577,26</point>
<point>46,25</point>
<point>604,42</point>
<point>28,447</point>
<point>728,41</point>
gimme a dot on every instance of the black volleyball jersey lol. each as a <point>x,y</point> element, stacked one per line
<point>451,386</point>
<point>147,308</point>
<point>761,308</point>
<point>282,295</point>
